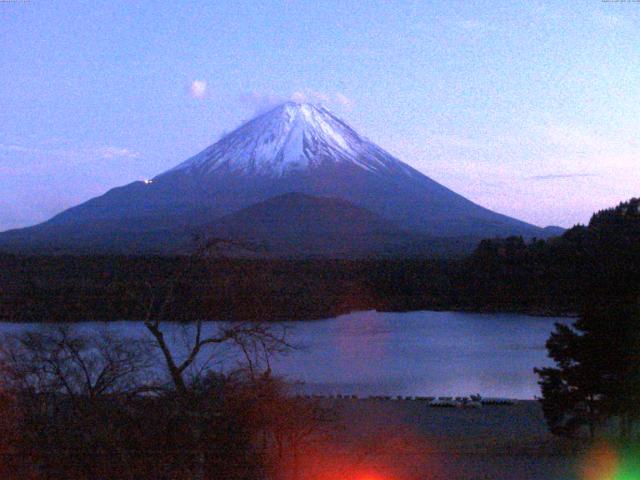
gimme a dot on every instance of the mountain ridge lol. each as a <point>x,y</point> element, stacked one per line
<point>292,148</point>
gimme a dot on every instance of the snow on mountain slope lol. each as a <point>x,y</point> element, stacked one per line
<point>291,137</point>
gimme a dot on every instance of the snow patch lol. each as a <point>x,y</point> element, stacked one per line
<point>291,137</point>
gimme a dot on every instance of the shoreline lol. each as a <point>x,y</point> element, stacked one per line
<point>509,442</point>
<point>542,313</point>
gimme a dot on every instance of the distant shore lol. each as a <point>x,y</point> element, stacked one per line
<point>106,288</point>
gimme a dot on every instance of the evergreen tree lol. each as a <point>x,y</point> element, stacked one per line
<point>597,373</point>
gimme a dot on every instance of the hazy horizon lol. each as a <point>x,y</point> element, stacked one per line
<point>528,110</point>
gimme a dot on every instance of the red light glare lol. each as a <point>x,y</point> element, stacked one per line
<point>369,476</point>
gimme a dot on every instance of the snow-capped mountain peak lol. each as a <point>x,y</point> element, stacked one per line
<point>289,138</point>
<point>296,148</point>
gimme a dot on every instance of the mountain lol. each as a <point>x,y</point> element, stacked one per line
<point>296,224</point>
<point>299,225</point>
<point>293,148</point>
<point>552,231</point>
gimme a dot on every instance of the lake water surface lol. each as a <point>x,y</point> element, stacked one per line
<point>411,353</point>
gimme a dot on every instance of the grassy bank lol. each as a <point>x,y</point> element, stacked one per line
<point>411,440</point>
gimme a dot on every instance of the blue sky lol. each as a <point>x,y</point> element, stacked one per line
<point>528,108</point>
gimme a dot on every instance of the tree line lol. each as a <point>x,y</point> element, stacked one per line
<point>552,277</point>
<point>596,377</point>
<point>502,275</point>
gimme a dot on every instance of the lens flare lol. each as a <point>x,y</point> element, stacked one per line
<point>607,462</point>
<point>369,476</point>
<point>600,463</point>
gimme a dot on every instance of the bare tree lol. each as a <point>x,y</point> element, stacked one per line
<point>256,341</point>
<point>62,360</point>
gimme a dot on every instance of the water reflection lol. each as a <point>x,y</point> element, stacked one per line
<point>412,353</point>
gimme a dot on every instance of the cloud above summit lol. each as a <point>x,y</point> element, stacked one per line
<point>198,89</point>
<point>260,102</point>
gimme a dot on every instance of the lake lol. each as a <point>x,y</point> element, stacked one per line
<point>410,353</point>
